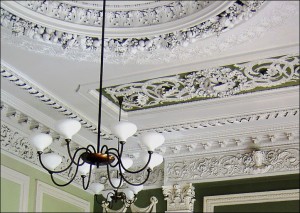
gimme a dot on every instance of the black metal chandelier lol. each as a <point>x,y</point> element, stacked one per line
<point>85,159</point>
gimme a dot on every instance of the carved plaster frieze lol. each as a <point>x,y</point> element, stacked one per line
<point>129,18</point>
<point>155,179</point>
<point>237,12</point>
<point>235,165</point>
<point>46,98</point>
<point>277,16</point>
<point>217,82</point>
<point>179,197</point>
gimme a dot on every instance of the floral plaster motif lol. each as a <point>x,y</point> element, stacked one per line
<point>208,83</point>
<point>237,12</point>
<point>256,162</point>
<point>170,11</point>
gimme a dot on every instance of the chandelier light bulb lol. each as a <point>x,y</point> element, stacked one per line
<point>152,140</point>
<point>51,160</point>
<point>136,189</point>
<point>85,168</point>
<point>68,127</point>
<point>40,141</point>
<point>124,130</point>
<point>156,159</point>
<point>129,194</point>
<point>96,187</point>
<point>115,182</point>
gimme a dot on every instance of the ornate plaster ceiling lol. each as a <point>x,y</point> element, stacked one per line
<point>50,66</point>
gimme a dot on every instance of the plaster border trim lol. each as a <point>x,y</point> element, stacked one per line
<point>43,188</point>
<point>258,197</point>
<point>24,182</point>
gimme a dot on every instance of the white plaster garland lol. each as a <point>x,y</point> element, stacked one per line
<point>233,15</point>
<point>208,83</point>
<point>170,11</point>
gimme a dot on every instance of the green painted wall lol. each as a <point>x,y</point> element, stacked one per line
<point>9,200</point>
<point>52,204</point>
<point>36,175</point>
<point>272,183</point>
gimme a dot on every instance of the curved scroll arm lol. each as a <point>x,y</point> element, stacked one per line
<point>65,169</point>
<point>89,178</point>
<point>136,184</point>
<point>140,170</point>
<point>71,180</point>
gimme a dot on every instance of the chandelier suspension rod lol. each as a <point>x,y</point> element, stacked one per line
<point>101,77</point>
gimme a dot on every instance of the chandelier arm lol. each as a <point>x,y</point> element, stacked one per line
<point>109,179</point>
<point>140,170</point>
<point>73,158</point>
<point>65,184</point>
<point>89,179</point>
<point>137,184</point>
<point>65,169</point>
<point>111,163</point>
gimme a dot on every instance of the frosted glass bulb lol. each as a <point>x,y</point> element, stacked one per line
<point>40,141</point>
<point>126,162</point>
<point>96,187</point>
<point>152,140</point>
<point>124,130</point>
<point>129,194</point>
<point>51,160</point>
<point>156,159</point>
<point>136,189</point>
<point>85,168</point>
<point>115,182</point>
<point>68,127</point>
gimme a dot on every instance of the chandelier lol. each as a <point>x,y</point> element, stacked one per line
<point>85,159</point>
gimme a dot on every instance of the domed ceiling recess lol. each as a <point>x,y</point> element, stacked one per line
<point>132,26</point>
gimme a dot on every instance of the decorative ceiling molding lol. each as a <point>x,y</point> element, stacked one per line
<point>10,75</point>
<point>273,18</point>
<point>266,162</point>
<point>227,19</point>
<point>150,14</point>
<point>217,82</point>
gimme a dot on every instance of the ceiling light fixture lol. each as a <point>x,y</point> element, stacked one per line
<point>85,159</point>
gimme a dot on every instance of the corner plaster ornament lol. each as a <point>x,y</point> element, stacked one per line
<point>215,82</point>
<point>179,197</point>
<point>233,165</point>
<point>237,12</point>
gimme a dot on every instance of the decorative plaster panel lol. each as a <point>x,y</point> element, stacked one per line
<point>233,165</point>
<point>217,82</point>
